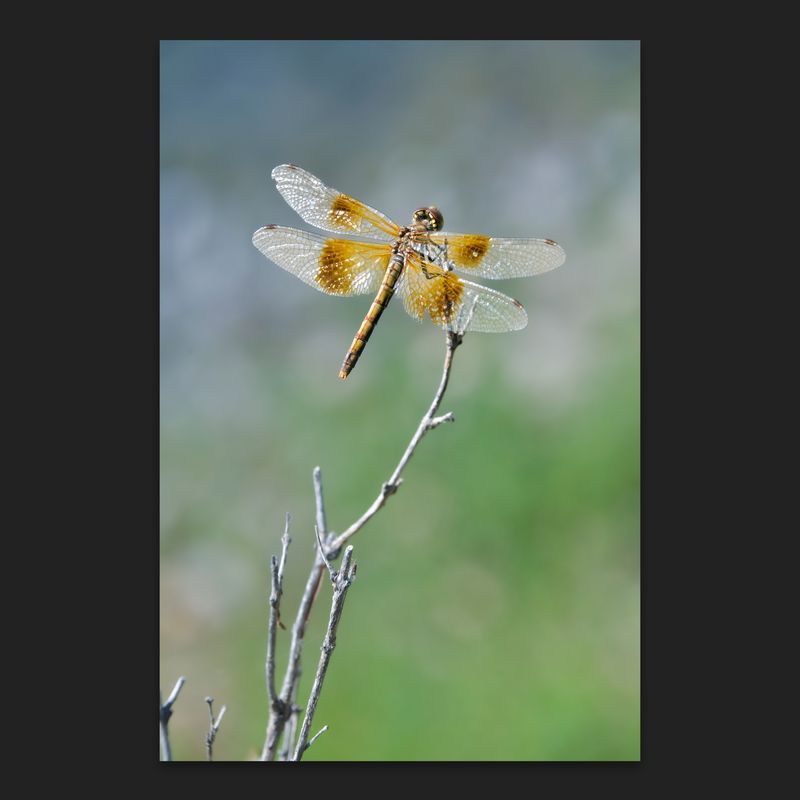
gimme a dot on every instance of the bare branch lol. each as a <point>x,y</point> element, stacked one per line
<point>344,578</point>
<point>213,726</point>
<point>173,696</point>
<point>429,422</point>
<point>283,711</point>
<point>164,713</point>
<point>275,613</point>
<point>289,732</point>
<point>321,551</point>
<point>280,715</point>
<point>321,522</point>
<point>283,708</point>
<point>285,542</point>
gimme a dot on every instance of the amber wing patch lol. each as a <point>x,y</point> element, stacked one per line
<point>335,273</point>
<point>346,213</point>
<point>467,250</point>
<point>443,298</point>
<point>347,267</point>
<point>349,214</point>
<point>433,290</point>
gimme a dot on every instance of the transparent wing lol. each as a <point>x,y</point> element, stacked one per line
<point>454,303</point>
<point>500,258</point>
<point>334,266</point>
<point>493,312</point>
<point>326,208</point>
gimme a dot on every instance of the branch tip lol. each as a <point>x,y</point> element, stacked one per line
<point>346,558</point>
<point>437,421</point>
<point>164,713</point>
<point>173,695</point>
<point>318,498</point>
<point>316,736</point>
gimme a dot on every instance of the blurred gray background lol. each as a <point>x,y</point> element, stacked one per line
<point>496,612</point>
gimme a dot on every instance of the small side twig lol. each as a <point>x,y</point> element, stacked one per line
<point>213,727</point>
<point>437,421</point>
<point>316,736</point>
<point>344,578</point>
<point>164,713</point>
<point>331,570</point>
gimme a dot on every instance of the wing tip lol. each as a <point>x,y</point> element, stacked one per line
<point>561,256</point>
<point>523,315</point>
<point>281,168</point>
<point>263,229</point>
<point>261,233</point>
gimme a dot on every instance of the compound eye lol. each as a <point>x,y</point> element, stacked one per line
<point>436,218</point>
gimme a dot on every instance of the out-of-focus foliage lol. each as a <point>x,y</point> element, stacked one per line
<point>496,611</point>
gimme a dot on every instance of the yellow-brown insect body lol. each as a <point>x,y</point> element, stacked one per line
<point>424,221</point>
<point>373,315</point>
<point>418,262</point>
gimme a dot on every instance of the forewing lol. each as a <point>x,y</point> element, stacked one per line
<point>334,266</point>
<point>326,208</point>
<point>483,257</point>
<point>454,303</point>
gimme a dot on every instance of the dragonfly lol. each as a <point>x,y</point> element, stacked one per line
<point>418,261</point>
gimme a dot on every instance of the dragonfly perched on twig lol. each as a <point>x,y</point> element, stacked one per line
<point>416,261</point>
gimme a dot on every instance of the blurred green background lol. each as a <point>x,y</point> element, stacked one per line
<point>496,611</point>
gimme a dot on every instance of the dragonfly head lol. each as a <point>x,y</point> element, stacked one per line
<point>429,219</point>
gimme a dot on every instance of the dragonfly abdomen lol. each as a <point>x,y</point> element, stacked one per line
<point>373,315</point>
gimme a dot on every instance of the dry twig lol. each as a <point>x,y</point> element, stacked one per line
<point>282,709</point>
<point>213,727</point>
<point>341,583</point>
<point>316,736</point>
<point>275,611</point>
<point>164,713</point>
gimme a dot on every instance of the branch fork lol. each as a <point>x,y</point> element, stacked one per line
<point>283,707</point>
<point>437,421</point>
<point>213,727</point>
